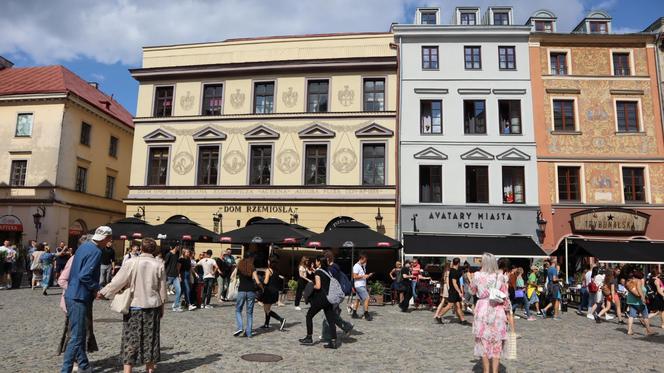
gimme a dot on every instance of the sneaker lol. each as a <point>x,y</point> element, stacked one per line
<point>43,292</point>
<point>177,309</point>
<point>238,333</point>
<point>531,318</point>
<point>88,370</point>
<point>192,307</point>
<point>439,320</point>
<point>208,307</point>
<point>597,318</point>
<point>367,316</point>
<point>332,344</point>
<point>517,317</point>
<point>266,326</point>
<point>464,322</point>
<point>308,341</point>
<point>348,331</point>
<point>354,315</point>
<point>590,316</point>
<point>298,308</point>
<point>170,292</point>
<point>609,317</point>
<point>282,324</point>
<point>557,319</point>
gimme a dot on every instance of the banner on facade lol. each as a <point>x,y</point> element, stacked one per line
<point>10,223</point>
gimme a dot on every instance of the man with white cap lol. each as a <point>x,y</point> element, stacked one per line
<point>82,289</point>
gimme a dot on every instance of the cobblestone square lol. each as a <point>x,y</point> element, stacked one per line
<point>201,341</point>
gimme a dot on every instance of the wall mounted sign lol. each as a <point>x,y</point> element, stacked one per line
<point>10,223</point>
<point>610,221</point>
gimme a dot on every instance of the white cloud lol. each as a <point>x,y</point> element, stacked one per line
<point>114,31</point>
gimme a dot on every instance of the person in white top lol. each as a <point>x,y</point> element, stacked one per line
<point>210,268</point>
<point>360,283</point>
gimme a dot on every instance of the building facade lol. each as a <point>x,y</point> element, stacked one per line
<point>298,128</point>
<point>598,127</point>
<point>64,167</point>
<point>467,144</point>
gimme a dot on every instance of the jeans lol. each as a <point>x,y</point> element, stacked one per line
<point>187,287</point>
<point>407,293</point>
<point>301,283</point>
<point>104,274</point>
<point>207,291</point>
<point>584,299</point>
<point>521,301</point>
<point>223,283</point>
<point>46,276</point>
<point>178,291</point>
<point>316,306</point>
<point>414,288</point>
<point>248,298</point>
<point>76,310</point>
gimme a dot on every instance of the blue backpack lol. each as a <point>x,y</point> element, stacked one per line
<point>346,286</point>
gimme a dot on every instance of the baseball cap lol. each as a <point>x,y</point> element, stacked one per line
<point>101,233</point>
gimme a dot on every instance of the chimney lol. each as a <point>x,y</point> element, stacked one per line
<point>94,84</point>
<point>5,63</point>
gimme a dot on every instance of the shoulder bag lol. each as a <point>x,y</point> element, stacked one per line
<point>122,300</point>
<point>495,294</point>
<point>231,294</point>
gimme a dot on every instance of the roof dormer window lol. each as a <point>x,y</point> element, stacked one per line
<point>468,18</point>
<point>542,21</point>
<point>596,22</point>
<point>544,26</point>
<point>427,16</point>
<point>501,18</point>
<point>598,27</point>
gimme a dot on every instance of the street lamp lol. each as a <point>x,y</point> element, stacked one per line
<point>36,217</point>
<point>379,220</point>
<point>541,226</point>
<point>217,218</point>
<point>414,220</point>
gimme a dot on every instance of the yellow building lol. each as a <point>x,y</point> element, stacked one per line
<point>65,156</point>
<point>298,128</point>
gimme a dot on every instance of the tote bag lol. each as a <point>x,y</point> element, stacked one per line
<point>510,346</point>
<point>495,294</point>
<point>122,300</point>
<point>232,287</point>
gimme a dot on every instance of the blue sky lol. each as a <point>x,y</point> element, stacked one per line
<point>101,40</point>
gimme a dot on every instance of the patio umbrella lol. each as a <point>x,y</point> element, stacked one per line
<point>304,230</point>
<point>266,232</point>
<point>128,228</point>
<point>181,228</point>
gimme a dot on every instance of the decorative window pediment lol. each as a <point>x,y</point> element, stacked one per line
<point>209,134</point>
<point>513,154</point>
<point>316,131</point>
<point>430,153</point>
<point>261,132</point>
<point>159,135</point>
<point>477,154</point>
<point>374,130</point>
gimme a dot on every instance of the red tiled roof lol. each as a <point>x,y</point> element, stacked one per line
<point>59,79</point>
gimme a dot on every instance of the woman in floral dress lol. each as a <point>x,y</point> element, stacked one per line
<point>489,324</point>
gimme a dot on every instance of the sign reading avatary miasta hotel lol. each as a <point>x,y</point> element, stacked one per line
<point>610,221</point>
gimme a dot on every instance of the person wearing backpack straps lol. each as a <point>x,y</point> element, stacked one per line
<point>656,306</point>
<point>636,299</point>
<point>335,271</point>
<point>319,302</point>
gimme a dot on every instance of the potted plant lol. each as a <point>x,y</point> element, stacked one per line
<point>292,289</point>
<point>376,291</point>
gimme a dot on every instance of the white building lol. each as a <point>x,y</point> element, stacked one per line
<point>467,147</point>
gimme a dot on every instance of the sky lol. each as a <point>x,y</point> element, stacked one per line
<point>101,40</point>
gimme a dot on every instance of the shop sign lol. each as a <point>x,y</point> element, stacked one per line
<point>610,221</point>
<point>10,223</point>
<point>76,229</point>
<point>257,209</point>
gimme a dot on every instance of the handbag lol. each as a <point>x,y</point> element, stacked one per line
<point>510,346</point>
<point>122,300</point>
<point>519,293</point>
<point>233,286</point>
<point>495,295</point>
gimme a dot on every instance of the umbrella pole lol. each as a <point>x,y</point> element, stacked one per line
<point>566,261</point>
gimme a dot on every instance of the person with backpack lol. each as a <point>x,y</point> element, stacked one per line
<point>636,299</point>
<point>656,295</point>
<point>226,266</point>
<point>346,287</point>
<point>321,300</point>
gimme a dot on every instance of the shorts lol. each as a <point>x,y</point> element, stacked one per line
<point>533,298</point>
<point>635,310</point>
<point>362,293</point>
<point>453,297</point>
<point>8,267</point>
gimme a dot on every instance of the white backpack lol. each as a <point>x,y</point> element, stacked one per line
<point>335,294</point>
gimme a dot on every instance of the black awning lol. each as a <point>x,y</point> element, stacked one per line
<point>632,251</point>
<point>473,246</point>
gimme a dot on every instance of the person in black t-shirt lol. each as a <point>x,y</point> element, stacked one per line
<point>107,264</point>
<point>318,301</point>
<point>185,277</point>
<point>172,265</point>
<point>455,294</point>
<point>405,286</point>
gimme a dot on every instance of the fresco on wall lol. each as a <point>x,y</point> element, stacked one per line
<point>288,159</point>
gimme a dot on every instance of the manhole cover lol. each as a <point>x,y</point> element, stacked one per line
<point>262,358</point>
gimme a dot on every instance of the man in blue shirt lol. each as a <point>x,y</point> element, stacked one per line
<point>81,291</point>
<point>553,290</point>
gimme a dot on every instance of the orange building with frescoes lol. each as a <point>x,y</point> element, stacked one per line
<point>598,130</point>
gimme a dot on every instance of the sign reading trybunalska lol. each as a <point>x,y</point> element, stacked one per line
<point>610,221</point>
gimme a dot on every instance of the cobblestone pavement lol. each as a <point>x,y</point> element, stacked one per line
<point>201,341</point>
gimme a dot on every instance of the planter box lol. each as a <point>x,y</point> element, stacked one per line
<point>290,295</point>
<point>376,300</point>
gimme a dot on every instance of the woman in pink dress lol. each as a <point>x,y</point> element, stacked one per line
<point>490,319</point>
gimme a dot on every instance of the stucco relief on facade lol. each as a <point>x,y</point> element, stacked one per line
<point>237,99</point>
<point>346,96</point>
<point>187,101</point>
<point>289,97</point>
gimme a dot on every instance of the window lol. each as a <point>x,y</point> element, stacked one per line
<point>317,92</point>
<point>110,186</point>
<point>431,116</point>
<point>634,184</point>
<point>374,94</point>
<point>261,165</point>
<point>473,58</point>
<point>24,125</point>
<point>477,184</point>
<point>558,61</point>
<point>264,98</point>
<point>509,114</point>
<point>507,58</point>
<point>85,133</point>
<point>599,27</point>
<point>621,64</point>
<point>564,116</point>
<point>468,18</point>
<point>81,179</point>
<point>428,18</point>
<point>212,99</point>
<point>113,147</point>
<point>627,114</point>
<point>431,183</point>
<point>501,18</point>
<point>544,26</point>
<point>19,170</point>
<point>430,58</point>
<point>373,164</point>
<point>163,102</point>
<point>158,166</point>
<point>474,117</point>
<point>208,165</point>
<point>569,187</point>
<point>514,187</point>
<point>315,164</point>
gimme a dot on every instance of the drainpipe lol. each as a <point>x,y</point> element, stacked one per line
<point>397,46</point>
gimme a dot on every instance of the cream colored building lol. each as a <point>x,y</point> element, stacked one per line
<point>65,155</point>
<point>298,128</point>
